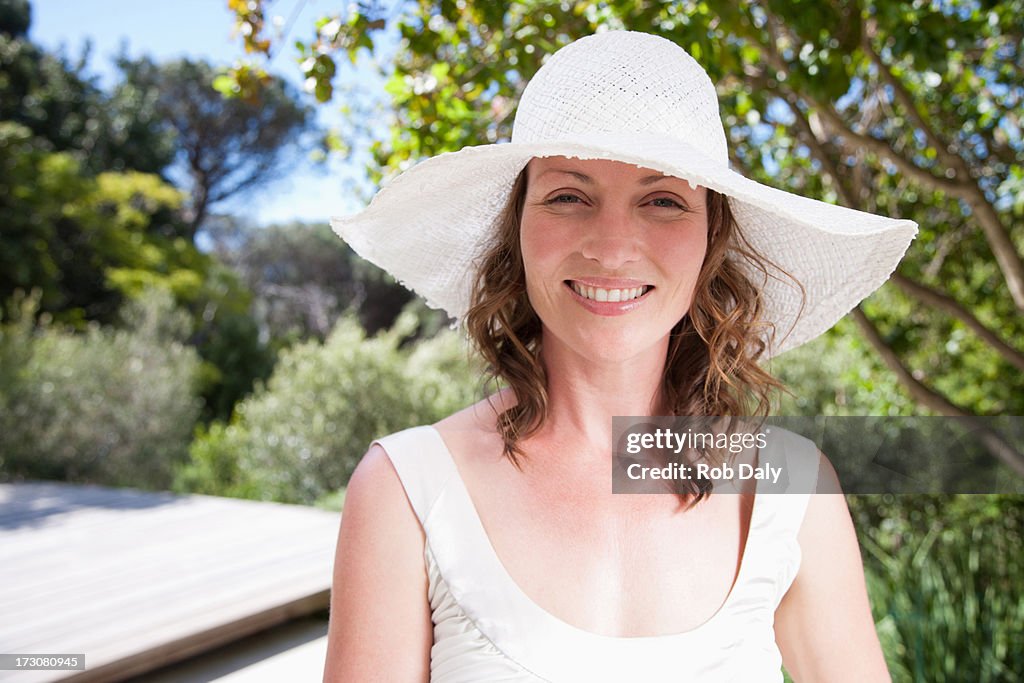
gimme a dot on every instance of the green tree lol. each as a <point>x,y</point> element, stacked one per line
<point>15,17</point>
<point>904,108</point>
<point>223,147</point>
<point>304,277</point>
<point>90,222</point>
<point>86,240</point>
<point>89,243</point>
<point>64,107</point>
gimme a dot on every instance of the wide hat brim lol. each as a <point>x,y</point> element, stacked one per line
<point>429,227</point>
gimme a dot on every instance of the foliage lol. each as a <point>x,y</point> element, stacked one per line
<point>111,406</point>
<point>157,114</point>
<point>225,147</point>
<point>837,374</point>
<point>135,222</point>
<point>235,357</point>
<point>87,243</point>
<point>41,246</point>
<point>304,277</point>
<point>332,35</point>
<point>224,331</point>
<point>87,229</point>
<point>84,240</point>
<point>15,17</point>
<point>903,108</point>
<point>64,108</point>
<point>944,573</point>
<point>299,437</point>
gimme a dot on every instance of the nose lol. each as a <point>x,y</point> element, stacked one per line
<point>611,239</point>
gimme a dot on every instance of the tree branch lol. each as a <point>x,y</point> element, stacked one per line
<point>993,441</point>
<point>907,103</point>
<point>917,290</point>
<point>965,188</point>
<point>817,148</point>
<point>954,308</point>
<point>884,150</point>
<point>842,130</point>
<point>1002,246</point>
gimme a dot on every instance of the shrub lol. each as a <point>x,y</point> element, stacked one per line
<point>107,406</point>
<point>943,572</point>
<point>298,438</point>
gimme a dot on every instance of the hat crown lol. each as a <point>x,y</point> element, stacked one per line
<point>622,82</point>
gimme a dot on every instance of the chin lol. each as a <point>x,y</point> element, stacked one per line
<point>617,346</point>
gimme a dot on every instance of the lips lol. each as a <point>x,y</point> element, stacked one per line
<point>598,294</point>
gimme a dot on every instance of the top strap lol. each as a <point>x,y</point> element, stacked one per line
<point>798,460</point>
<point>782,506</point>
<point>423,466</point>
<point>799,457</point>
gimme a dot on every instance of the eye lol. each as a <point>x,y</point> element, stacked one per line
<point>564,198</point>
<point>667,203</point>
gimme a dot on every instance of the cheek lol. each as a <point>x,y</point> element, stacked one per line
<point>688,249</point>
<point>685,257</point>
<point>696,250</point>
<point>541,249</point>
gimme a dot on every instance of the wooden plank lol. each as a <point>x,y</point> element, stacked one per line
<point>172,596</point>
<point>138,580</point>
<point>198,559</point>
<point>295,651</point>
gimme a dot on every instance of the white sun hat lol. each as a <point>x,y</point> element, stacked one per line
<point>640,99</point>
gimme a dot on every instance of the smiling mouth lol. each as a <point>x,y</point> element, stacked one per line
<point>602,294</point>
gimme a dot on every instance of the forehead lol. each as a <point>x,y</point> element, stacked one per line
<point>599,171</point>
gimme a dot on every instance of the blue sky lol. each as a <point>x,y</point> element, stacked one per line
<point>171,29</point>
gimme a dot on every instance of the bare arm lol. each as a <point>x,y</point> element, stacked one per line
<point>380,628</point>
<point>823,625</point>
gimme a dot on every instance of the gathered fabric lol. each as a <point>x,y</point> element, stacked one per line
<point>487,629</point>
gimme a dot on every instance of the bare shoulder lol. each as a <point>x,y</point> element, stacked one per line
<point>375,497</point>
<point>828,480</point>
<point>474,428</point>
<point>379,589</point>
<point>375,474</point>
<point>477,417</point>
<point>824,624</point>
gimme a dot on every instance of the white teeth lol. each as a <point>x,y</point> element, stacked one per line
<point>609,295</point>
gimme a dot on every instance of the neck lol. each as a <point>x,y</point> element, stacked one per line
<point>585,393</point>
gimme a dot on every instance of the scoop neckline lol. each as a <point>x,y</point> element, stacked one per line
<point>536,611</point>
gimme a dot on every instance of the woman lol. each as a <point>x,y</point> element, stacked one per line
<point>606,263</point>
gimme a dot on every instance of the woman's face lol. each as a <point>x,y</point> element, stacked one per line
<point>611,253</point>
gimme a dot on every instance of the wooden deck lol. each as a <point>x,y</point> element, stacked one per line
<point>136,580</point>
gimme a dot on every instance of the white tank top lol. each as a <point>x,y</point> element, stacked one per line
<point>487,629</point>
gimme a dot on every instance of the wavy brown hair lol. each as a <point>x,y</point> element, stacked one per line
<point>712,362</point>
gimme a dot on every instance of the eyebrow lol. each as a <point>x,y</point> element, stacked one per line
<point>584,178</point>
